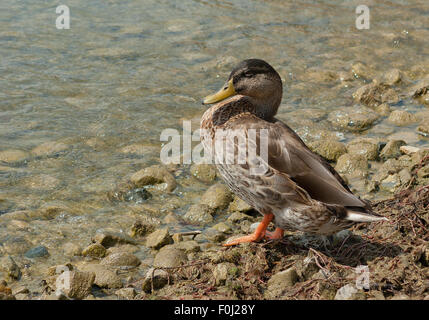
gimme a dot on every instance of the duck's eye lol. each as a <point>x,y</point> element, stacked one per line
<point>248,74</point>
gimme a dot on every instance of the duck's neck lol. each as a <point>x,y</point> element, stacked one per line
<point>267,107</point>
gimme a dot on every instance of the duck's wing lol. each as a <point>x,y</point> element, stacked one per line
<point>289,157</point>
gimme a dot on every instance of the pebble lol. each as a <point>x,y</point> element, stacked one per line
<point>169,256</point>
<point>37,252</point>
<point>121,259</point>
<point>13,156</point>
<point>158,239</point>
<point>217,197</point>
<point>199,214</point>
<point>154,175</point>
<point>80,284</point>
<point>280,282</point>
<point>94,250</point>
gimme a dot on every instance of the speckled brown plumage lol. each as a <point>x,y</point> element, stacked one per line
<point>298,187</point>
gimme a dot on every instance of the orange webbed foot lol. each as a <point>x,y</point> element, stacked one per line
<point>254,237</point>
<point>276,235</point>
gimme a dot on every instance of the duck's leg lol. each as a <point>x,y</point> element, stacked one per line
<point>276,235</point>
<point>256,236</point>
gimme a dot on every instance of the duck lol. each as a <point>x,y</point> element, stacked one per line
<point>266,164</point>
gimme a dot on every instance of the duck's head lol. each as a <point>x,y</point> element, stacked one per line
<point>255,80</point>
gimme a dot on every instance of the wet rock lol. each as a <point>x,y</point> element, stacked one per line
<point>391,183</point>
<point>10,268</point>
<point>13,156</point>
<point>374,94</point>
<point>204,172</point>
<point>391,77</point>
<point>80,284</point>
<point>158,239</point>
<point>408,136</point>
<point>109,239</point>
<point>171,218</point>
<point>126,293</point>
<point>329,149</point>
<point>224,271</point>
<point>169,256</point>
<point>199,214</point>
<point>94,250</point>
<point>212,235</point>
<point>71,249</point>
<point>16,245</point>
<point>37,252</point>
<point>239,205</point>
<point>409,149</point>
<point>401,118</point>
<point>423,129</point>
<point>392,149</point>
<point>349,292</point>
<point>353,119</point>
<point>105,277</point>
<point>217,197</point>
<point>49,149</point>
<point>383,109</point>
<point>352,165</point>
<point>420,88</point>
<point>141,229</point>
<point>121,259</point>
<point>157,278</point>
<point>154,175</point>
<point>140,149</point>
<point>280,282</point>
<point>361,70</point>
<point>366,147</point>
<point>320,75</point>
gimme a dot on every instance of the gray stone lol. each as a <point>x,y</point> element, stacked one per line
<point>169,256</point>
<point>159,238</point>
<point>121,259</point>
<point>37,252</point>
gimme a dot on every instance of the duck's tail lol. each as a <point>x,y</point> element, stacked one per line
<point>363,216</point>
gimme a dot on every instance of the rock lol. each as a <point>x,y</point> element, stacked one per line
<point>141,229</point>
<point>104,276</point>
<point>400,296</point>
<point>121,259</point>
<point>158,239</point>
<point>140,149</point>
<point>391,77</point>
<point>188,246</point>
<point>171,218</point>
<point>109,239</point>
<point>280,282</point>
<point>80,284</point>
<point>94,250</point>
<point>349,292</point>
<point>366,147</point>
<point>169,256</point>
<point>408,136</point>
<point>71,249</point>
<point>223,271</point>
<point>37,252</point>
<point>423,129</point>
<point>361,70</point>
<point>383,109</point>
<point>409,149</point>
<point>237,217</point>
<point>13,156</point>
<point>352,165</point>
<point>222,227</point>
<point>217,197</point>
<point>353,119</point>
<point>204,172</point>
<point>320,75</point>
<point>126,293</point>
<point>391,183</point>
<point>199,214</point>
<point>16,245</point>
<point>420,88</point>
<point>329,149</point>
<point>122,248</point>
<point>392,149</point>
<point>154,175</point>
<point>401,118</point>
<point>239,205</point>
<point>49,149</point>
<point>158,279</point>
<point>212,235</point>
<point>374,94</point>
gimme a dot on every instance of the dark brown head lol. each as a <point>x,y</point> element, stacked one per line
<point>255,80</point>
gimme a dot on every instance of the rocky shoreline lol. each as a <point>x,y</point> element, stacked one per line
<point>163,242</point>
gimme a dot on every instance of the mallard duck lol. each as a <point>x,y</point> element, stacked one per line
<point>298,189</point>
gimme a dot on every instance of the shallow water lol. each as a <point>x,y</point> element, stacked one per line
<point>126,70</point>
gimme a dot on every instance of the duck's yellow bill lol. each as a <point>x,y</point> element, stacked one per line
<point>227,91</point>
